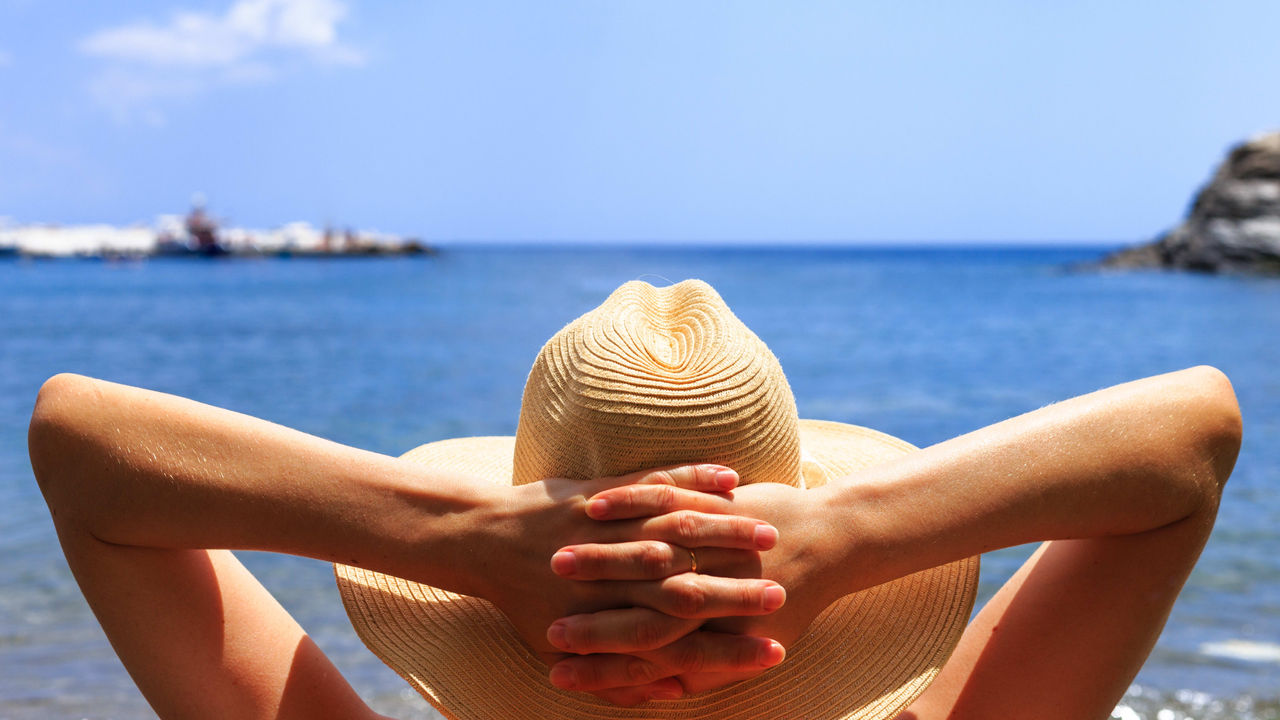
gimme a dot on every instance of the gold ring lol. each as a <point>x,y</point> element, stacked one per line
<point>693,561</point>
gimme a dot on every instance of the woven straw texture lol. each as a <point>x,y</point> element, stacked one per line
<point>655,377</point>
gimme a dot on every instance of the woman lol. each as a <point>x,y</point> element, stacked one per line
<point>1123,484</point>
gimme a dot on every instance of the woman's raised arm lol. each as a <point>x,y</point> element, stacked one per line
<point>148,490</point>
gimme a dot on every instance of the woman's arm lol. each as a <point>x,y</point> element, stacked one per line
<point>147,491</point>
<point>1129,477</point>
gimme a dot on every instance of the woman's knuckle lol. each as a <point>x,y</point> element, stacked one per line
<point>689,525</point>
<point>594,560</point>
<point>691,657</point>
<point>666,497</point>
<point>662,477</point>
<point>688,599</point>
<point>655,559</point>
<point>744,530</point>
<point>641,672</point>
<point>648,634</point>
<point>625,497</point>
<point>581,636</point>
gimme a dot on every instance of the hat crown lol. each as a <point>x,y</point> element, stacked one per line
<point>653,377</point>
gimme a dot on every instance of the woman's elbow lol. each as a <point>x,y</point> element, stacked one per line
<point>52,426</point>
<point>1217,422</point>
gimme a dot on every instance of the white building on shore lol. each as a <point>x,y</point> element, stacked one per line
<point>194,235</point>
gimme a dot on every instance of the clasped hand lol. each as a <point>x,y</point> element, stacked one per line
<point>538,542</point>
<point>632,621</point>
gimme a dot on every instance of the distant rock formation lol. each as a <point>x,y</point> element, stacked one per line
<point>1234,224</point>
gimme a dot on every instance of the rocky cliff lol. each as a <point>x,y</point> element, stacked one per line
<point>1234,223</point>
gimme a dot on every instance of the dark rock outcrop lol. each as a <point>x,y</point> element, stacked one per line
<point>1234,223</point>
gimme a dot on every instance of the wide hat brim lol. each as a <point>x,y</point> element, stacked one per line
<point>865,658</point>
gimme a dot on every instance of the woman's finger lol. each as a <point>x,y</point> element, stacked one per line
<point>628,630</point>
<point>697,654</point>
<point>703,477</point>
<point>692,529</point>
<point>589,673</point>
<point>646,500</point>
<point>650,560</point>
<point>693,595</point>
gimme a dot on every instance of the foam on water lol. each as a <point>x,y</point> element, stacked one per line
<point>1247,650</point>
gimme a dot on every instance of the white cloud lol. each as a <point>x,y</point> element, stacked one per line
<point>5,59</point>
<point>248,29</point>
<point>254,41</point>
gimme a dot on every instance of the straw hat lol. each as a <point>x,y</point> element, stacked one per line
<point>657,377</point>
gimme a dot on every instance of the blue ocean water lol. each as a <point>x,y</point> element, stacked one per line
<point>390,353</point>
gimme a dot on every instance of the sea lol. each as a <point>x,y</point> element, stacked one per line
<point>923,343</point>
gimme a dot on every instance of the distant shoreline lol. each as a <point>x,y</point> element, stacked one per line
<point>1081,256</point>
<point>199,235</point>
<point>409,249</point>
<point>1086,256</point>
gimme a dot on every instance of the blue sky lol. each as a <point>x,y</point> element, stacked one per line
<point>720,121</point>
